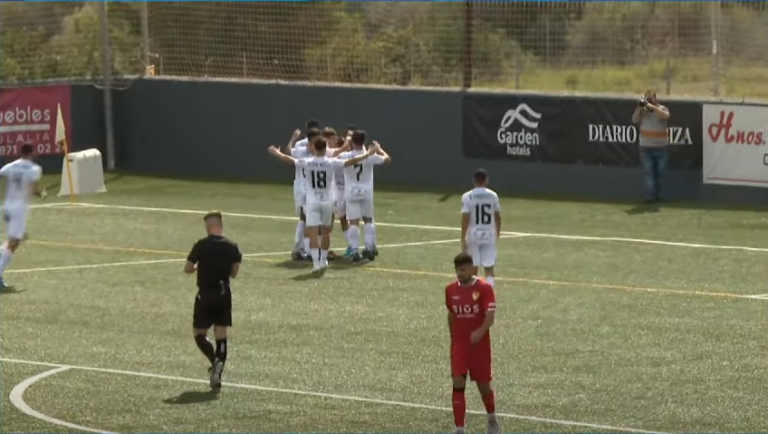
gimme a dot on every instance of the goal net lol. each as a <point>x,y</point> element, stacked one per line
<point>684,48</point>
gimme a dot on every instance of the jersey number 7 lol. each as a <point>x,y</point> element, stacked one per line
<point>483,214</point>
<point>359,168</point>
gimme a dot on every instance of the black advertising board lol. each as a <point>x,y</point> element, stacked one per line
<point>572,130</point>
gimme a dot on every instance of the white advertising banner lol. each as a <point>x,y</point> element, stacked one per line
<point>734,140</point>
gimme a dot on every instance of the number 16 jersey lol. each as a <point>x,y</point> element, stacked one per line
<point>481,204</point>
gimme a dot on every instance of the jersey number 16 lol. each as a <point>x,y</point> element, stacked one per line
<point>319,178</point>
<point>483,214</point>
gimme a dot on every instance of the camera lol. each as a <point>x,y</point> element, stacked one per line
<point>643,102</point>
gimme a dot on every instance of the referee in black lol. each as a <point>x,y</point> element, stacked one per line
<point>216,260</point>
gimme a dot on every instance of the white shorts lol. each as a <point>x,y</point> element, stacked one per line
<point>15,219</point>
<point>483,255</point>
<point>359,208</point>
<point>299,199</point>
<point>319,214</point>
<point>341,203</point>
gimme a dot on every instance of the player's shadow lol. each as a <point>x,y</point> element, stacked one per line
<point>308,276</point>
<point>294,265</point>
<point>643,208</point>
<point>10,290</point>
<point>193,397</point>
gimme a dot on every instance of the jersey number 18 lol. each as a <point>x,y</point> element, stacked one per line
<point>319,178</point>
<point>483,214</point>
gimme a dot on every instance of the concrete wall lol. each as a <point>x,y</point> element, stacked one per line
<point>222,129</point>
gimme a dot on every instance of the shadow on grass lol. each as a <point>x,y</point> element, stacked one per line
<point>193,397</point>
<point>8,290</point>
<point>643,208</point>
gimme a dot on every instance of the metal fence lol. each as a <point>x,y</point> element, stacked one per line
<point>702,49</point>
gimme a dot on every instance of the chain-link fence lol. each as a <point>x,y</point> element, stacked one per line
<point>700,49</point>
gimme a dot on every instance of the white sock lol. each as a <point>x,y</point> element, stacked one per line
<point>307,249</point>
<point>353,236</point>
<point>5,259</point>
<point>491,280</point>
<point>315,253</point>
<point>323,256</point>
<point>370,236</point>
<point>299,241</point>
<point>346,238</point>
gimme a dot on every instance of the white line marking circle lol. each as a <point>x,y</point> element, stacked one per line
<point>17,399</point>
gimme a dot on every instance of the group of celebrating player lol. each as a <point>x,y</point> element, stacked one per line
<point>334,176</point>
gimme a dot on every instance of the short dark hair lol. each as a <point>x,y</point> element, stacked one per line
<point>313,133</point>
<point>319,143</point>
<point>212,215</point>
<point>27,150</point>
<point>351,127</point>
<point>339,141</point>
<point>481,175</point>
<point>359,137</point>
<point>313,123</point>
<point>328,132</point>
<point>462,259</point>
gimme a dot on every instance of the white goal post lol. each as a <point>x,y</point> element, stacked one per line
<point>87,173</point>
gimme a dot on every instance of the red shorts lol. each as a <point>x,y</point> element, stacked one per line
<point>474,360</point>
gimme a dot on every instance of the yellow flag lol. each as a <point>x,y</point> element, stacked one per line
<point>61,133</point>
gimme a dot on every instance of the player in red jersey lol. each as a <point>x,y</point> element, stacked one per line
<point>471,305</point>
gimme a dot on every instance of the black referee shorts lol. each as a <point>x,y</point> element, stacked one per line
<point>212,309</point>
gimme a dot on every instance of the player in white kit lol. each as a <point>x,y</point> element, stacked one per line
<point>481,224</point>
<point>319,171</point>
<point>22,179</point>
<point>358,191</point>
<point>301,241</point>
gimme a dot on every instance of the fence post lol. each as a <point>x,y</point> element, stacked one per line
<point>106,57</point>
<point>714,22</point>
<point>144,16</point>
<point>467,49</point>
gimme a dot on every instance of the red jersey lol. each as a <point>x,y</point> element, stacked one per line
<point>469,304</point>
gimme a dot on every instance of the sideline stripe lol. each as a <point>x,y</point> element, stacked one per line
<point>251,256</point>
<point>261,257</point>
<point>448,228</point>
<point>17,399</point>
<point>63,368</point>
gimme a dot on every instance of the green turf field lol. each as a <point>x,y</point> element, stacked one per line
<point>593,334</point>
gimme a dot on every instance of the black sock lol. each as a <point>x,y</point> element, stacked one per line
<point>205,346</point>
<point>221,349</point>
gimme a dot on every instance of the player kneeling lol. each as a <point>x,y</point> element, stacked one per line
<point>481,224</point>
<point>319,171</point>
<point>471,305</point>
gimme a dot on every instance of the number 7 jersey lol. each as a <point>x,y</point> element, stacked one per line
<point>358,178</point>
<point>481,204</point>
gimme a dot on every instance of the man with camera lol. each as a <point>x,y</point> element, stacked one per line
<point>651,119</point>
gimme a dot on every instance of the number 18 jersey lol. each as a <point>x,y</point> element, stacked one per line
<point>319,177</point>
<point>481,204</point>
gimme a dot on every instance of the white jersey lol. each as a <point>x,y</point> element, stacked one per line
<point>20,176</point>
<point>319,177</point>
<point>302,143</point>
<point>481,204</point>
<point>300,153</point>
<point>358,178</point>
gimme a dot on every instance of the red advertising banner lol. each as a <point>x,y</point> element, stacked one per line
<point>28,115</point>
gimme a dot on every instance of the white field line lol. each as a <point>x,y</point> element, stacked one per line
<point>170,260</point>
<point>757,297</point>
<point>17,399</point>
<point>448,228</point>
<point>597,427</point>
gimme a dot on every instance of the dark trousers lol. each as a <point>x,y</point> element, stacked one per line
<point>654,161</point>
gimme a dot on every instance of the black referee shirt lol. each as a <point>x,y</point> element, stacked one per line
<point>214,255</point>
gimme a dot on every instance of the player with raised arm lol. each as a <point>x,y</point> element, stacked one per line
<point>320,199</point>
<point>341,201</point>
<point>481,224</point>
<point>22,181</point>
<point>358,190</point>
<point>301,241</point>
<point>311,124</point>
<point>471,305</point>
